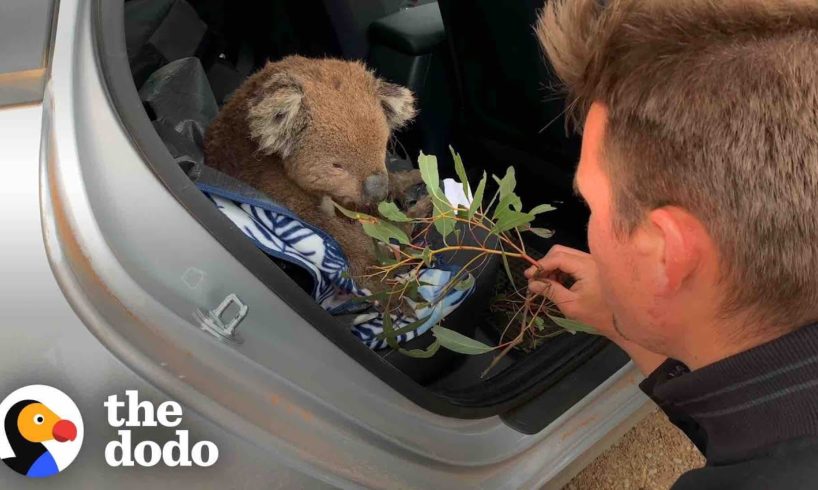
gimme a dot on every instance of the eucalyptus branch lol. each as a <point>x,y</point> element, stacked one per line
<point>502,221</point>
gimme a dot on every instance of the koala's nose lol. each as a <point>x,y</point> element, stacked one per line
<point>376,187</point>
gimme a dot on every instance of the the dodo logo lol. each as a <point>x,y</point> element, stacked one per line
<point>41,432</point>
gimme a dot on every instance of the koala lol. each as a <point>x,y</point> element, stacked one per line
<point>305,131</point>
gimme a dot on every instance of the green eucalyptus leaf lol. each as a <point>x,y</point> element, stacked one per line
<point>427,257</point>
<point>422,353</point>
<point>478,196</point>
<point>542,208</point>
<point>573,326</point>
<point>411,291</point>
<point>465,284</point>
<point>508,202</point>
<point>505,193</point>
<point>404,329</point>
<point>461,171</point>
<point>390,211</point>
<point>445,226</point>
<point>507,183</point>
<point>459,343</point>
<point>501,213</point>
<point>444,221</point>
<point>354,214</point>
<point>542,232</point>
<point>386,261</point>
<point>384,231</point>
<point>389,332</point>
<point>429,173</point>
<point>511,220</point>
<point>444,217</point>
<point>414,253</point>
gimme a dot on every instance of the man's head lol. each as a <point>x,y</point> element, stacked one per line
<point>700,157</point>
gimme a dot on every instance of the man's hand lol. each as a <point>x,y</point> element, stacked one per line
<point>569,278</point>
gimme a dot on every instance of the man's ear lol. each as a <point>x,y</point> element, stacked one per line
<point>277,115</point>
<point>680,240</point>
<point>398,104</point>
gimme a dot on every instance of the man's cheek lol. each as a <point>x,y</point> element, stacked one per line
<point>607,284</point>
<point>612,266</point>
<point>593,237</point>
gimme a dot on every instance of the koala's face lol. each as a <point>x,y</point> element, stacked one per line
<point>330,122</point>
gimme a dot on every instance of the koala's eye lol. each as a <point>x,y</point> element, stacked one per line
<point>337,165</point>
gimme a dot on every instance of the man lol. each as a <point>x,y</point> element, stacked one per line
<point>700,168</point>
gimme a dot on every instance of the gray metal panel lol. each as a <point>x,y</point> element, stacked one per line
<point>42,341</point>
<point>25,39</point>
<point>25,31</point>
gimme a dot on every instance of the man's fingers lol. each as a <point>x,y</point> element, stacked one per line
<point>552,290</point>
<point>567,250</point>
<point>569,263</point>
<point>537,287</point>
<point>555,253</point>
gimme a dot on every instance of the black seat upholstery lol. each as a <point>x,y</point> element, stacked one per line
<point>504,84</point>
<point>408,48</point>
<point>509,112</point>
<point>160,31</point>
<point>413,32</point>
<point>351,20</point>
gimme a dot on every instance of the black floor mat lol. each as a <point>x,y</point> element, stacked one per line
<point>500,326</point>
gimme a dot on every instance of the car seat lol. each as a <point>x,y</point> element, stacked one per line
<point>506,87</point>
<point>510,111</point>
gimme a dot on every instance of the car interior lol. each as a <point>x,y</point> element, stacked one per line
<point>482,86</point>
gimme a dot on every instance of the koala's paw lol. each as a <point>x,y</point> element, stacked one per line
<point>401,182</point>
<point>421,209</point>
<point>407,189</point>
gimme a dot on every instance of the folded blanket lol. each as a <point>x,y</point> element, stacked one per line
<point>281,234</point>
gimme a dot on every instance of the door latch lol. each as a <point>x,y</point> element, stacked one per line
<point>213,323</point>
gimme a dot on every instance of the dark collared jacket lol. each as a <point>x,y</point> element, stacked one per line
<point>753,415</point>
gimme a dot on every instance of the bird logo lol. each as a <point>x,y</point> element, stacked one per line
<point>43,431</point>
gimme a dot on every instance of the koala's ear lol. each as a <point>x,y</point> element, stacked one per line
<point>398,104</point>
<point>277,115</point>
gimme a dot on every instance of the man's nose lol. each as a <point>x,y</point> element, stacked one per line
<point>376,187</point>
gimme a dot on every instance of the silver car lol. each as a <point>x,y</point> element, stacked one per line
<point>114,264</point>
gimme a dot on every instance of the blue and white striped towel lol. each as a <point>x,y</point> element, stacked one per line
<point>280,233</point>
